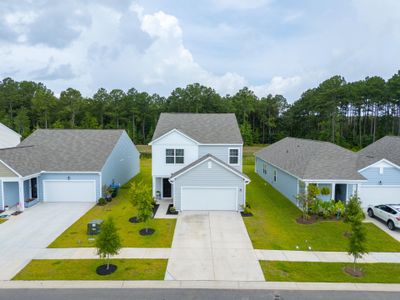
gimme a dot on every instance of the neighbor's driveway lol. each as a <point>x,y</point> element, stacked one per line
<point>212,246</point>
<point>23,236</point>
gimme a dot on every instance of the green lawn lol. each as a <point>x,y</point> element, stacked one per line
<point>85,269</point>
<point>274,224</point>
<point>328,272</point>
<point>121,210</point>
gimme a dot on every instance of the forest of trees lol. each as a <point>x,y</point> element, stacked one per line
<point>351,114</point>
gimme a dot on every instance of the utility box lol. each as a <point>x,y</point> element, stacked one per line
<point>94,227</point>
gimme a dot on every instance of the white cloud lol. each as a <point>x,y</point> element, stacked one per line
<point>240,4</point>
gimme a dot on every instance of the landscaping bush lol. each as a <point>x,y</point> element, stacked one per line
<point>102,201</point>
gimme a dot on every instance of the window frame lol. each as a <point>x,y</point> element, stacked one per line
<point>174,156</point>
<point>238,156</point>
<point>265,169</point>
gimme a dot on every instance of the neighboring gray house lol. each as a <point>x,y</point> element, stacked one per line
<point>57,165</point>
<point>197,161</point>
<point>379,163</point>
<point>291,164</point>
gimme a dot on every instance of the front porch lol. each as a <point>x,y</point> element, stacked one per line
<point>162,188</point>
<point>338,191</point>
<point>18,193</point>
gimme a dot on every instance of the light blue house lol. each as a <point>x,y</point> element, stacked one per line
<point>65,166</point>
<point>292,164</point>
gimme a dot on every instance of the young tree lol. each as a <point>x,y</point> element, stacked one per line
<point>307,198</point>
<point>357,237</point>
<point>144,202</point>
<point>108,242</point>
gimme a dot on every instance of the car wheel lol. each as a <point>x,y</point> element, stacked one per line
<point>370,213</point>
<point>390,225</point>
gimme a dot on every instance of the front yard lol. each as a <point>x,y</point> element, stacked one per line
<point>85,269</point>
<point>274,225</point>
<point>121,210</point>
<point>328,272</point>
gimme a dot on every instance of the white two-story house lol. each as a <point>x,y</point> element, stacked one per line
<point>197,161</point>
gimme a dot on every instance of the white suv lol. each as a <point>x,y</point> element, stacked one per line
<point>389,213</point>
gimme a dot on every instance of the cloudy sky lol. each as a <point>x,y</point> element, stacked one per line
<point>271,46</point>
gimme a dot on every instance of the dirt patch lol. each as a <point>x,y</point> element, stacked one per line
<point>355,272</point>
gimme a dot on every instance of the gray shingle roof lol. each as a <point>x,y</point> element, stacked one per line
<point>204,128</point>
<point>203,158</point>
<point>309,159</point>
<point>387,147</point>
<point>62,150</point>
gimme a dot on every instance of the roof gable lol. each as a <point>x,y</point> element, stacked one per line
<point>203,128</point>
<point>169,138</point>
<point>387,148</point>
<point>9,130</point>
<point>204,159</point>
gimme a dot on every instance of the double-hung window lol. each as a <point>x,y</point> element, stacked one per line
<point>234,156</point>
<point>275,175</point>
<point>174,156</point>
<point>264,169</point>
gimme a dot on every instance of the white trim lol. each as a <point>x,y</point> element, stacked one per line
<point>379,161</point>
<point>334,181</point>
<point>380,185</point>
<point>2,194</point>
<point>171,131</point>
<point>16,173</point>
<point>208,158</point>
<point>229,156</point>
<point>64,180</point>
<point>212,187</point>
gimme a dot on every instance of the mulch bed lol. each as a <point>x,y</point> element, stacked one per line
<point>169,212</point>
<point>245,215</point>
<point>314,219</point>
<point>146,231</point>
<point>134,220</point>
<point>102,270</point>
<point>16,213</point>
<point>355,273</point>
<point>155,208</point>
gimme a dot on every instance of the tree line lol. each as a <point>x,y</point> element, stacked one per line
<point>351,114</point>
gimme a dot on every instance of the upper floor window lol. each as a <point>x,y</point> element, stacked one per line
<point>234,156</point>
<point>174,156</point>
<point>264,169</point>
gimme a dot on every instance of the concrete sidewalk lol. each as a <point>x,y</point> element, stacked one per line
<point>321,256</point>
<point>231,285</point>
<point>90,253</point>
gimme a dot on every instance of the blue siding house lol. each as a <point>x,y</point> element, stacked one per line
<point>373,173</point>
<point>65,166</point>
<point>292,164</point>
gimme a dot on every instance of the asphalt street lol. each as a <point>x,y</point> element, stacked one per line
<point>191,294</point>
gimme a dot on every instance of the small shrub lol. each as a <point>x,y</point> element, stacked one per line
<point>102,201</point>
<point>325,191</point>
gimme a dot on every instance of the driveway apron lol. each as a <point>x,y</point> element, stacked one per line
<point>212,246</point>
<point>23,236</point>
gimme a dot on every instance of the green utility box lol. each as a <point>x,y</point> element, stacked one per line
<point>93,227</point>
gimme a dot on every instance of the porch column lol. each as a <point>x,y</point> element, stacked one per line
<point>333,191</point>
<point>21,195</point>
<point>154,186</point>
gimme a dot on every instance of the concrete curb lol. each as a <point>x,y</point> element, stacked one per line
<point>231,285</point>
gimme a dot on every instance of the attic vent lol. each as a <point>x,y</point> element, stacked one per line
<point>209,164</point>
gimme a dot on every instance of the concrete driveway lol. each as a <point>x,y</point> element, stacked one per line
<point>23,236</point>
<point>212,246</point>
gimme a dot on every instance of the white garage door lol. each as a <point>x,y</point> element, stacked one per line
<point>375,195</point>
<point>209,198</point>
<point>69,191</point>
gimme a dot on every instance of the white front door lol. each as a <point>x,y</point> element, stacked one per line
<point>376,195</point>
<point>69,191</point>
<point>209,198</point>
